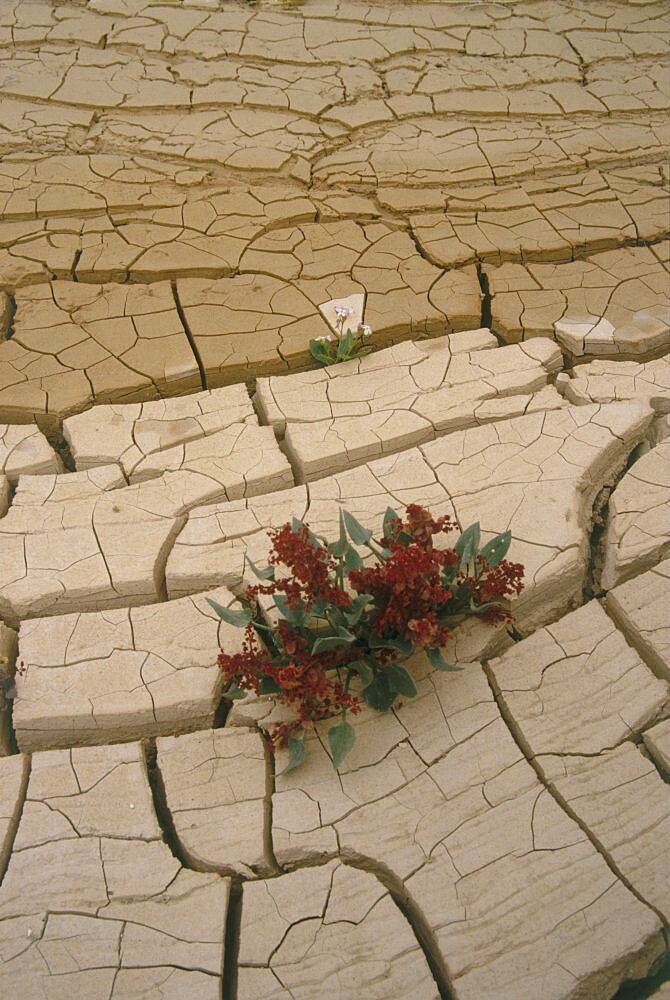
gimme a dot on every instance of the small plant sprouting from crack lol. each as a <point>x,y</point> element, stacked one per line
<point>231,944</point>
<point>340,346</point>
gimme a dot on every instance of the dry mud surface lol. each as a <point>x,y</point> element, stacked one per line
<point>182,186</point>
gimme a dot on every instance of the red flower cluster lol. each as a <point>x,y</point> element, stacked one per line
<point>310,565</point>
<point>407,589</point>
<point>493,585</point>
<point>248,666</point>
<point>422,526</point>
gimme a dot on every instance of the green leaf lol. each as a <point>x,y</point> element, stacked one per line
<point>357,533</point>
<point>379,694</point>
<point>344,346</point>
<point>233,692</point>
<point>352,560</point>
<point>391,523</point>
<point>364,671</point>
<point>374,642</point>
<point>296,754</point>
<point>354,612</point>
<point>339,547</point>
<point>458,605</point>
<point>438,661</point>
<point>282,607</point>
<point>449,574</point>
<point>341,740</point>
<point>320,351</point>
<point>404,538</point>
<point>467,545</point>
<point>295,617</point>
<point>263,574</point>
<point>400,680</point>
<point>404,646</point>
<point>496,550</point>
<point>296,525</point>
<point>268,685</point>
<point>479,608</point>
<point>327,642</point>
<point>237,618</point>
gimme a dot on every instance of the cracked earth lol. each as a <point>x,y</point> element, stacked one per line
<point>183,187</point>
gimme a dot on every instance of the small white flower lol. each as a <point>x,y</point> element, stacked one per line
<point>323,338</point>
<point>343,311</point>
<point>329,337</point>
<point>365,330</point>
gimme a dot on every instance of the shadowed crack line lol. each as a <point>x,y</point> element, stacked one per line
<point>231,940</point>
<point>10,305</point>
<point>599,521</point>
<point>8,686</point>
<point>75,261</point>
<point>161,808</point>
<point>61,446</point>
<point>13,825</point>
<point>7,719</point>
<point>292,458</point>
<point>160,565</point>
<point>221,712</point>
<point>189,335</point>
<point>270,772</point>
<point>482,277</point>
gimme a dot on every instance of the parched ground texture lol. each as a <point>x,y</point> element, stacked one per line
<point>182,186</point>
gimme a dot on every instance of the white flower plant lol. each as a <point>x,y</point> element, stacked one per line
<point>342,345</point>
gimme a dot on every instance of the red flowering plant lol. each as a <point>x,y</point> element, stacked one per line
<point>342,623</point>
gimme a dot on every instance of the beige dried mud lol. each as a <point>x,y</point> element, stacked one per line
<point>182,187</point>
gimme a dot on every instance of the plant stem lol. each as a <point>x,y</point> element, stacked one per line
<point>375,549</point>
<point>264,628</point>
<point>340,572</point>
